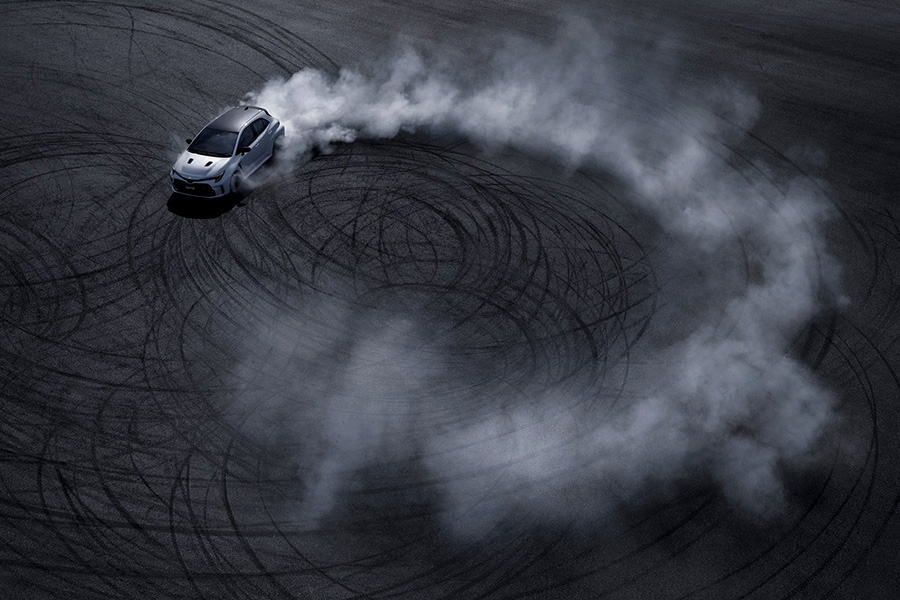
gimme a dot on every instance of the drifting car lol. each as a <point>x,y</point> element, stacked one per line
<point>226,152</point>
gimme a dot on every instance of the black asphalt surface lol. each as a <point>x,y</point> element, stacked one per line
<point>134,462</point>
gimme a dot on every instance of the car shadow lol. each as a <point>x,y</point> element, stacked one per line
<point>191,207</point>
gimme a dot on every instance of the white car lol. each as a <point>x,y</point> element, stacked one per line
<point>227,151</point>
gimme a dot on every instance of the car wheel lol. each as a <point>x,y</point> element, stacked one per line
<point>236,185</point>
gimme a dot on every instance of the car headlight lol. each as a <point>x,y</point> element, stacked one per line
<point>219,176</point>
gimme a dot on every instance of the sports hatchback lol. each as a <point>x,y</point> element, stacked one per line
<point>226,152</point>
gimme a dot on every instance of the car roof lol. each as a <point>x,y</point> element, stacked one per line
<point>235,118</point>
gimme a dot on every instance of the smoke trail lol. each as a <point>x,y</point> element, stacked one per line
<point>576,99</point>
<point>715,392</point>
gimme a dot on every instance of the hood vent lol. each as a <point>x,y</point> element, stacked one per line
<point>207,164</point>
<point>190,160</point>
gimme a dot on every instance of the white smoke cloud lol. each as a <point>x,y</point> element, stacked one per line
<point>714,392</point>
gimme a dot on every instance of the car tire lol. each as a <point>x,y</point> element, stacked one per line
<point>235,185</point>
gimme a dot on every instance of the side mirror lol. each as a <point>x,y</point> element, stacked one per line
<point>188,140</point>
<point>244,150</point>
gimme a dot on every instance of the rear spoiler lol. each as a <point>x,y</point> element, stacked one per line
<point>257,108</point>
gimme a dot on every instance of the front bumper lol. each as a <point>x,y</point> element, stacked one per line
<point>205,188</point>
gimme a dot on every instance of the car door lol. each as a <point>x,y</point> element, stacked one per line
<point>251,138</point>
<point>261,146</point>
<point>246,141</point>
<point>264,138</point>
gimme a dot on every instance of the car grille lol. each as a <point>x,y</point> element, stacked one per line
<point>195,189</point>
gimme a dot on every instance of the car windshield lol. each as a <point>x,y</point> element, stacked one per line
<point>214,142</point>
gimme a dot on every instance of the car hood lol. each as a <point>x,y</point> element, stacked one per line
<point>199,166</point>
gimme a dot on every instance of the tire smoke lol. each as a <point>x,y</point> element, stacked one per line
<point>713,391</point>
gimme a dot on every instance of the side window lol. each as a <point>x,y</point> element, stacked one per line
<point>259,126</point>
<point>247,137</point>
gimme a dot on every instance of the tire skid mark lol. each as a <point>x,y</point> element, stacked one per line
<point>121,470</point>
